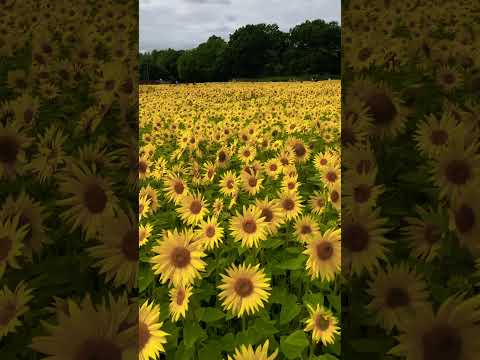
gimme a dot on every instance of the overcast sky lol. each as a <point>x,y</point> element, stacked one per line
<point>183,24</point>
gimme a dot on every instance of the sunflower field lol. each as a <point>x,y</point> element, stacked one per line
<point>239,221</point>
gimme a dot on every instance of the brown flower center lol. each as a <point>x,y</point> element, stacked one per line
<point>95,198</point>
<point>143,335</point>
<point>109,85</point>
<point>458,172</point>
<point>8,149</point>
<point>288,204</point>
<point>180,296</point>
<point>356,237</point>
<point>439,137</point>
<point>397,297</point>
<point>284,161</point>
<point>210,232</point>
<point>246,153</point>
<point>142,167</point>
<point>331,176</point>
<point>323,161</point>
<point>252,182</point>
<point>243,287</point>
<point>222,156</point>
<point>334,196</point>
<point>306,229</point>
<point>381,107</point>
<point>195,207</point>
<point>178,187</point>
<point>361,193</point>
<point>442,342</point>
<point>230,184</point>
<point>364,54</point>
<point>180,257</point>
<point>299,150</point>
<point>130,245</point>
<point>348,136</point>
<point>464,218</point>
<point>432,234</point>
<point>249,226</point>
<point>98,349</point>
<point>7,313</point>
<point>324,250</point>
<point>449,78</point>
<point>273,167</point>
<point>28,116</point>
<point>267,214</point>
<point>322,323</point>
<point>291,185</point>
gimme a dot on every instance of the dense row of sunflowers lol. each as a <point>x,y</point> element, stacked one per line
<point>68,239</point>
<point>239,219</point>
<point>410,147</point>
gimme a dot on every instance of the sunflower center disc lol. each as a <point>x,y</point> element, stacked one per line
<point>334,196</point>
<point>95,198</point>
<point>246,153</point>
<point>7,313</point>
<point>288,204</point>
<point>291,185</point>
<point>195,207</point>
<point>98,349</point>
<point>180,257</point>
<point>28,116</point>
<point>432,234</point>
<point>252,182</point>
<point>273,167</point>
<point>457,172</point>
<point>130,245</point>
<point>381,107</point>
<point>464,218</point>
<point>397,297</point>
<point>143,335</point>
<point>306,229</point>
<point>442,343</point>
<point>348,136</point>
<point>210,231</point>
<point>299,150</point>
<point>322,323</point>
<point>5,247</point>
<point>331,176</point>
<point>439,137</point>
<point>267,214</point>
<point>180,296</point>
<point>178,187</point>
<point>8,149</point>
<point>249,226</point>
<point>222,156</point>
<point>230,184</point>
<point>244,287</point>
<point>361,193</point>
<point>324,251</point>
<point>356,237</point>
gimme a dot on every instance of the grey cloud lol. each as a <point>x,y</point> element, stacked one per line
<point>183,24</point>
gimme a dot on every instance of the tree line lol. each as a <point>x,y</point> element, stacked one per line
<point>252,51</point>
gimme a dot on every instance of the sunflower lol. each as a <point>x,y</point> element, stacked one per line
<point>144,232</point>
<point>305,227</point>
<point>331,175</point>
<point>11,242</point>
<point>13,144</point>
<point>229,183</point>
<point>117,254</point>
<point>210,233</point>
<point>175,188</point>
<point>300,151</point>
<point>456,168</point>
<point>360,159</point>
<point>13,304</point>
<point>249,227</point>
<point>252,183</point>
<point>285,157</point>
<point>271,212</point>
<point>363,239</point>
<point>449,78</point>
<point>424,233</point>
<point>290,183</point>
<point>89,198</point>
<point>143,206</point>
<point>247,153</point>
<point>449,333</point>
<point>247,353</point>
<point>323,325</point>
<point>360,189</point>
<point>290,203</point>
<point>323,160</point>
<point>31,213</point>
<point>179,298</point>
<point>272,168</point>
<point>397,294</point>
<point>217,207</point>
<point>143,167</point>
<point>179,258</point>
<point>324,255</point>
<point>74,337</point>
<point>151,194</point>
<point>193,209</point>
<point>465,218</point>
<point>150,335</point>
<point>317,202</point>
<point>244,289</point>
<point>223,157</point>
<point>433,134</point>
